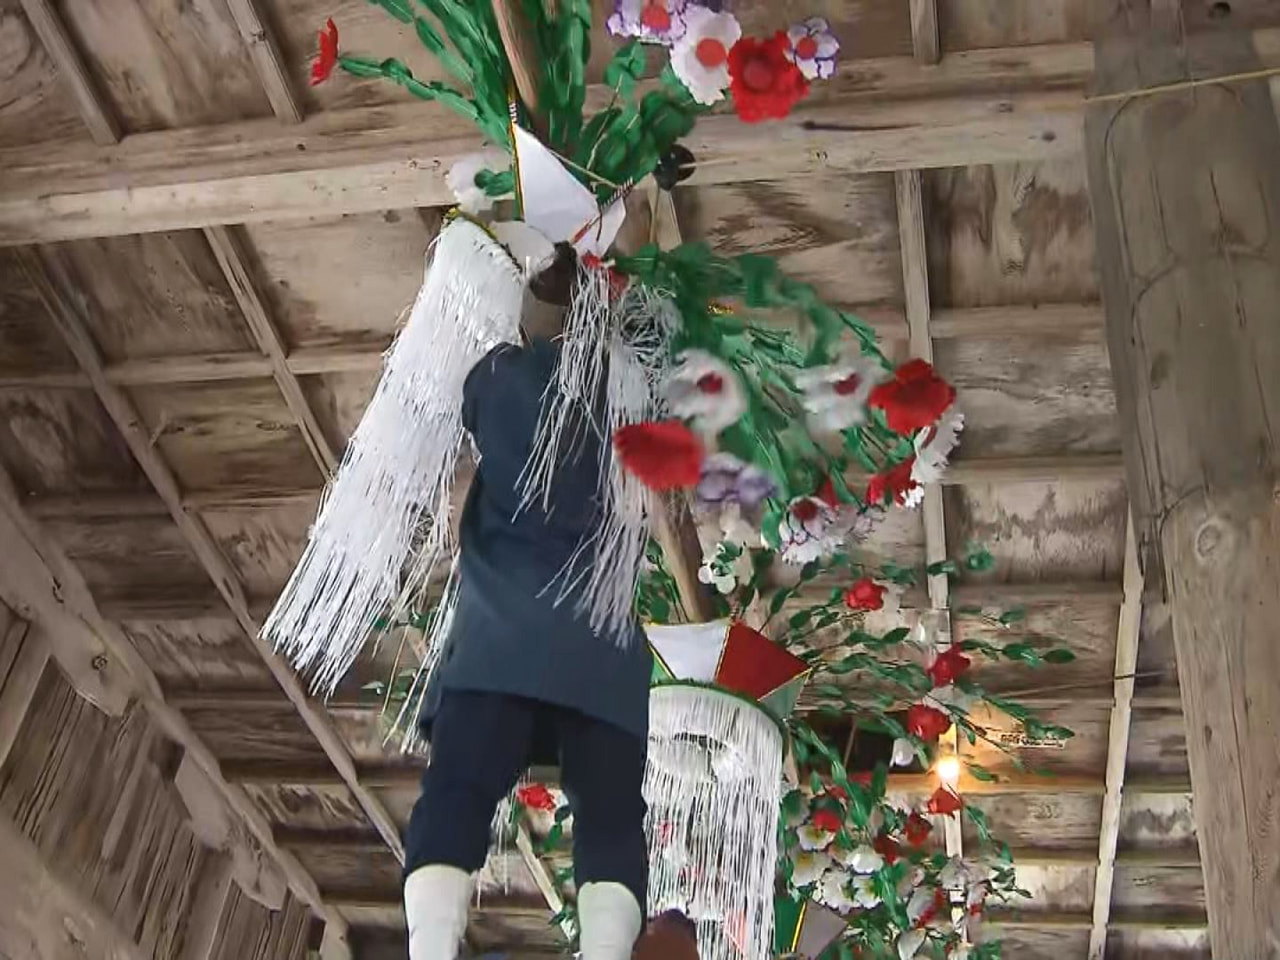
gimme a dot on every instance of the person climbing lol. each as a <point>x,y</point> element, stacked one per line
<point>523,676</point>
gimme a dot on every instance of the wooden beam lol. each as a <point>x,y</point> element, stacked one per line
<point>1133,920</point>
<point>541,877</point>
<point>1118,743</point>
<point>229,248</point>
<point>94,109</point>
<point>924,31</point>
<point>60,298</point>
<point>1046,321</point>
<point>267,60</point>
<point>67,607</point>
<point>18,686</point>
<point>1189,261</point>
<point>204,917</point>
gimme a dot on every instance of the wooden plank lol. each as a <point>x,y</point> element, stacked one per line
<point>1118,743</point>
<point>51,282</point>
<point>94,109</point>
<point>1049,320</point>
<point>924,31</point>
<point>229,248</point>
<point>1199,402</point>
<point>18,685</point>
<point>204,925</point>
<point>56,589</point>
<point>267,59</point>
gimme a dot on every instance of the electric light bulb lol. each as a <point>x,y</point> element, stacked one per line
<point>948,770</point>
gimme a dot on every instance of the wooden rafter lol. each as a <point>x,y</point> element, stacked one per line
<point>55,290</point>
<point>67,596</point>
<point>19,685</point>
<point>94,109</point>
<point>267,60</point>
<point>1127,637</point>
<point>229,249</point>
<point>924,31</point>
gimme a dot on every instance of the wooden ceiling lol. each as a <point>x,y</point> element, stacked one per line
<point>202,257</point>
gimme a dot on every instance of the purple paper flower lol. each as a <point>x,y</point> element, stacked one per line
<point>726,479</point>
<point>654,21</point>
<point>813,48</point>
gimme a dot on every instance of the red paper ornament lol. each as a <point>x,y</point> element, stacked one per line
<point>895,483</point>
<point>826,820</point>
<point>887,847</point>
<point>663,456</point>
<point>327,55</point>
<point>865,594</point>
<point>917,830</point>
<point>948,666</point>
<point>765,85</point>
<point>944,803</point>
<point>915,398</point>
<point>926,722</point>
<point>535,796</point>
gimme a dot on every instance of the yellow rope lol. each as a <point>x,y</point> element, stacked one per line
<point>1184,85</point>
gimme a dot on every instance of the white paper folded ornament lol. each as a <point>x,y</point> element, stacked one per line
<point>557,204</point>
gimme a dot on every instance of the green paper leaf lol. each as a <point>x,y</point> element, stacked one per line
<point>979,559</point>
<point>1012,616</point>
<point>980,772</point>
<point>1023,652</point>
<point>942,566</point>
<point>1059,655</point>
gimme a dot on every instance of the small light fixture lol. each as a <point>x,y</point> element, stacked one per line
<point>948,770</point>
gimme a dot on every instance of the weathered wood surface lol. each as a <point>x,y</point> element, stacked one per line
<point>268,61</point>
<point>36,106</point>
<point>1186,197</point>
<point>94,110</point>
<point>23,658</point>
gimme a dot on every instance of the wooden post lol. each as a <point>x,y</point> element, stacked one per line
<point>1186,197</point>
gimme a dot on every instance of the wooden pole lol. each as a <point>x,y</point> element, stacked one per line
<point>1186,198</point>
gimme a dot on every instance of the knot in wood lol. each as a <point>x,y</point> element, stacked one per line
<point>99,662</point>
<point>1210,540</point>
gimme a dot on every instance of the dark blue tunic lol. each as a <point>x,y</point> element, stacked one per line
<point>506,638</point>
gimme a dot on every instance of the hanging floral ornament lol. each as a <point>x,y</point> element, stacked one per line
<point>865,594</point>
<point>535,796</point>
<point>934,445</point>
<point>896,486</point>
<point>808,867</point>
<point>764,83</point>
<point>904,753</point>
<point>833,891</point>
<point>951,696</point>
<point>944,802</point>
<point>926,722</point>
<point>663,456</point>
<point>654,21</point>
<point>725,567</point>
<point>327,54</point>
<point>461,178</point>
<point>701,57</point>
<point>909,943</point>
<point>948,666</point>
<point>808,531</point>
<point>725,479</point>
<point>865,896</point>
<point>827,820</point>
<point>813,837</point>
<point>705,390</point>
<point>835,395</point>
<point>813,48</point>
<point>916,830</point>
<point>887,847</point>
<point>915,398</point>
<point>862,859</point>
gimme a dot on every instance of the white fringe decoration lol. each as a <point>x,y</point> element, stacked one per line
<point>391,495</point>
<point>621,342</point>
<point>714,788</point>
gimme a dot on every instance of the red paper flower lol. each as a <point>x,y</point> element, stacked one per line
<point>865,594</point>
<point>828,821</point>
<point>917,830</point>
<point>944,802</point>
<point>927,723</point>
<point>535,796</point>
<point>327,56</point>
<point>895,484</point>
<point>764,83</point>
<point>664,456</point>
<point>931,912</point>
<point>948,666</point>
<point>827,494</point>
<point>916,397</point>
<point>887,847</point>
<point>862,777</point>
<point>837,791</point>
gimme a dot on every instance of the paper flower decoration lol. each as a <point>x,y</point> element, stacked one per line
<point>535,796</point>
<point>864,893</point>
<point>926,722</point>
<point>836,395</point>
<point>862,859</point>
<point>809,866</point>
<point>948,666</point>
<point>813,837</point>
<point>909,943</point>
<point>833,891</point>
<point>662,456</point>
<point>827,820</point>
<point>865,594</point>
<point>461,178</point>
<point>326,55</point>
<point>764,83</point>
<point>706,390</point>
<point>701,57</point>
<point>808,531</point>
<point>725,568</point>
<point>944,803</point>
<point>813,48</point>
<point>655,21</point>
<point>727,480</point>
<point>915,398</point>
<point>934,445</point>
<point>904,753</point>
<point>896,485</point>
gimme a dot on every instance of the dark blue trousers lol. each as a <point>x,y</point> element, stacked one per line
<point>482,742</point>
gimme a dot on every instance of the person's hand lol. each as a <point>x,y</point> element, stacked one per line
<point>669,936</point>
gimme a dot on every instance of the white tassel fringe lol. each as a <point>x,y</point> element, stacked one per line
<point>714,788</point>
<point>391,495</point>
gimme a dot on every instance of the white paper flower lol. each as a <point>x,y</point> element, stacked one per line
<point>904,753</point>
<point>836,395</point>
<point>808,531</point>
<point>909,943</point>
<point>806,868</point>
<point>921,903</point>
<point>833,891</point>
<point>934,445</point>
<point>864,893</point>
<point>706,390</point>
<point>951,696</point>
<point>655,21</point>
<point>863,859</point>
<point>725,571</point>
<point>955,875</point>
<point>976,897</point>
<point>701,57</point>
<point>813,48</point>
<point>811,838</point>
<point>461,178</point>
